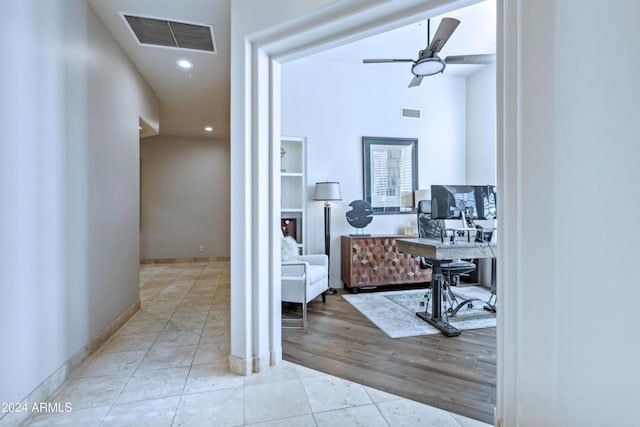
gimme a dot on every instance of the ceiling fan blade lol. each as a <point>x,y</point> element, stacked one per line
<point>382,61</point>
<point>416,81</point>
<point>445,29</point>
<point>488,58</point>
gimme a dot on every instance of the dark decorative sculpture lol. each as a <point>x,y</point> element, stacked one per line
<point>360,215</point>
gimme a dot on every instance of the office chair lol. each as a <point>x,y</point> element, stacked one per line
<point>451,269</point>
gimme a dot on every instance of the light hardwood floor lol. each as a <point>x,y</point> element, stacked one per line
<point>456,374</point>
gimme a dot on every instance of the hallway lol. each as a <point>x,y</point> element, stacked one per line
<point>168,366</point>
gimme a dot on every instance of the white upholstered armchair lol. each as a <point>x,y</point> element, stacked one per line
<point>304,278</point>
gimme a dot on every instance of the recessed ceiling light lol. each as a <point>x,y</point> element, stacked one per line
<point>209,128</point>
<point>183,63</point>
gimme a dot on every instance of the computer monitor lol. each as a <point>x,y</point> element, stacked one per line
<point>486,202</point>
<point>476,201</point>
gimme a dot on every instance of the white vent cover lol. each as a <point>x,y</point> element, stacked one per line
<point>179,35</point>
<point>410,113</point>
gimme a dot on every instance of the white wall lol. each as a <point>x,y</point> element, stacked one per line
<point>335,104</point>
<point>481,144</point>
<point>68,186</point>
<point>567,335</point>
<point>184,197</point>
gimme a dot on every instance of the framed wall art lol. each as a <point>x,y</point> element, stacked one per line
<point>390,173</point>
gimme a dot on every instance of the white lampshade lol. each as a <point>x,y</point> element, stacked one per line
<point>421,195</point>
<point>327,191</point>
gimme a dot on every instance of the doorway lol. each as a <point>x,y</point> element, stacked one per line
<point>258,338</point>
<point>485,386</point>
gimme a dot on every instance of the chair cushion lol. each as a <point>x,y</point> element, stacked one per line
<point>458,266</point>
<point>454,266</point>
<point>316,273</point>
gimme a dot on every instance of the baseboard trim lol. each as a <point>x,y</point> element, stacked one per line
<point>177,260</point>
<point>50,385</point>
<point>104,336</point>
<point>275,357</point>
<point>261,363</point>
<point>239,365</point>
<point>246,367</point>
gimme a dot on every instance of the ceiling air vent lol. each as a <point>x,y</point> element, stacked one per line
<point>410,113</point>
<point>179,35</point>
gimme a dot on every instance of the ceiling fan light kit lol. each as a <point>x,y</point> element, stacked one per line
<point>428,66</point>
<point>428,62</point>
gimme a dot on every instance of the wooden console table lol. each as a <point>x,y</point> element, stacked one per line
<point>368,261</point>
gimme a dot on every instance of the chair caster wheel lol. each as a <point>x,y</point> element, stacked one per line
<point>449,310</point>
<point>470,305</point>
<point>421,303</point>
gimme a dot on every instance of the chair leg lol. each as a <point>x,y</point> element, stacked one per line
<point>452,296</point>
<point>444,292</point>
<point>447,299</point>
<point>454,304</point>
<point>492,301</point>
<point>426,299</point>
<point>324,297</point>
<point>304,313</point>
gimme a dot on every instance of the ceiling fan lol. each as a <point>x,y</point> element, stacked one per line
<point>428,62</point>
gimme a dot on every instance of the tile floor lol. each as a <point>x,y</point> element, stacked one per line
<point>168,366</point>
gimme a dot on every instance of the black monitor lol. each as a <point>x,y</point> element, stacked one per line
<point>476,201</point>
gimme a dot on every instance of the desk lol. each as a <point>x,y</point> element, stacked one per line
<point>440,252</point>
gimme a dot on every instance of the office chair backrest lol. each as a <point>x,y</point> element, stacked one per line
<point>428,227</point>
<point>436,229</point>
<point>424,206</point>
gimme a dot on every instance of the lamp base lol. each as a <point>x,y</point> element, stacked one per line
<point>327,242</point>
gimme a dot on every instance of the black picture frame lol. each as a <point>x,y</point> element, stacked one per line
<point>390,174</point>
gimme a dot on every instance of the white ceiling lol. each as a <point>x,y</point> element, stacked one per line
<point>191,100</point>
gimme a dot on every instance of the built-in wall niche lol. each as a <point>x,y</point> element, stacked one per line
<point>292,189</point>
<point>291,156</point>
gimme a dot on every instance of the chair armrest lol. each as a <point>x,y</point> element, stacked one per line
<point>294,269</point>
<point>316,259</point>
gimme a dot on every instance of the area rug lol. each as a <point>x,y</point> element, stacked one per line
<point>394,312</point>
